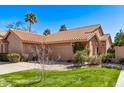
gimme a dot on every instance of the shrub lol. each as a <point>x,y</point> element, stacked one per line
<point>77,47</point>
<point>81,56</point>
<point>107,57</point>
<point>111,51</point>
<point>3,57</point>
<point>98,59</point>
<point>24,57</point>
<point>14,57</point>
<point>121,61</point>
<point>91,60</point>
<point>95,60</point>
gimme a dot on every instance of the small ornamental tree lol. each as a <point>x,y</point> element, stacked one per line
<point>77,47</point>
<point>81,56</point>
<point>15,25</point>
<point>42,53</point>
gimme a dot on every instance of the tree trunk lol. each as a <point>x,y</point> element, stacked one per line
<point>30,27</point>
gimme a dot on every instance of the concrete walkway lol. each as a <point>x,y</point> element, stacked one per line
<point>120,81</point>
<point>14,67</point>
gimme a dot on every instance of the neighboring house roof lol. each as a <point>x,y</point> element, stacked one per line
<point>27,37</point>
<point>2,33</point>
<point>72,35</point>
<point>105,37</point>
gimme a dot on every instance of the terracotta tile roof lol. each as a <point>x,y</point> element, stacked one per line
<point>87,29</point>
<point>72,35</point>
<point>28,36</point>
<point>69,37</point>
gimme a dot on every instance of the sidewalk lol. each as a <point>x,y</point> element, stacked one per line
<point>120,81</point>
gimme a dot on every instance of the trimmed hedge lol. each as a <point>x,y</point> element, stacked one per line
<point>11,57</point>
<point>3,57</point>
<point>14,57</point>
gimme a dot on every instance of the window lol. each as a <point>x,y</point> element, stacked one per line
<point>1,48</point>
<point>6,48</point>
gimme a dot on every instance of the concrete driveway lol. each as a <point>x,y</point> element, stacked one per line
<point>6,67</point>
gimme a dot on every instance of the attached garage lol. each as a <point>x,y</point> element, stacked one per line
<point>62,51</point>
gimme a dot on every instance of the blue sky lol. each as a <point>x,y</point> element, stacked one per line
<point>110,17</point>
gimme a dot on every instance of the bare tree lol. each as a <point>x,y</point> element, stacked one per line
<point>42,52</point>
<point>42,57</point>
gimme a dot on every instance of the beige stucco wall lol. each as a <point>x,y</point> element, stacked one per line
<point>93,47</point>
<point>119,52</point>
<point>27,48</point>
<point>30,48</point>
<point>15,44</point>
<point>62,51</point>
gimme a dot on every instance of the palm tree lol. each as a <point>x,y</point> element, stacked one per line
<point>31,18</point>
<point>63,28</point>
<point>47,32</point>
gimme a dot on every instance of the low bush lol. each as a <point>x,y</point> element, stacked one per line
<point>24,57</point>
<point>111,51</point>
<point>98,60</point>
<point>107,57</point>
<point>121,61</point>
<point>112,66</point>
<point>14,57</point>
<point>3,57</point>
<point>91,60</point>
<point>95,60</point>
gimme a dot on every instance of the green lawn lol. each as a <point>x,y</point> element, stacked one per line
<point>87,77</point>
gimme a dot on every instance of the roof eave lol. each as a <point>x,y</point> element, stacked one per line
<point>67,41</point>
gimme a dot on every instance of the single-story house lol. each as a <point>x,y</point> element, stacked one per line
<point>60,43</point>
